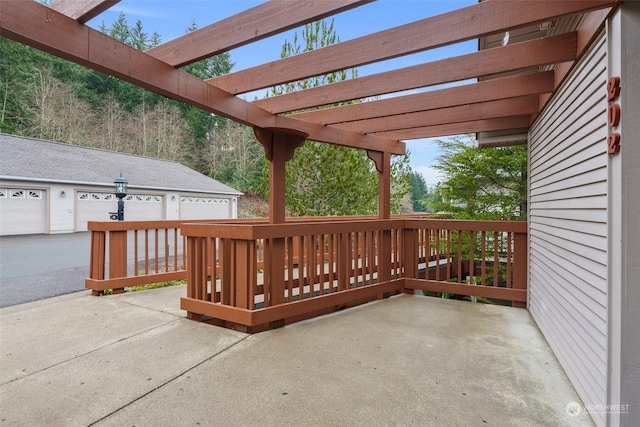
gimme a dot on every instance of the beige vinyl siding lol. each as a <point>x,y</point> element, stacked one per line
<point>568,225</point>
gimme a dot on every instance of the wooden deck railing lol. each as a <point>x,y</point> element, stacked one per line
<point>310,268</point>
<point>250,275</point>
<point>132,253</point>
<point>126,254</point>
<point>473,258</point>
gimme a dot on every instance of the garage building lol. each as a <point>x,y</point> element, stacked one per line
<point>48,187</point>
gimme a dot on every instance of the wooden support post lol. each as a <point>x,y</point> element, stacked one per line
<point>279,145</point>
<point>382,161</point>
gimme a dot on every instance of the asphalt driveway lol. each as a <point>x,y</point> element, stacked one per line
<point>40,266</point>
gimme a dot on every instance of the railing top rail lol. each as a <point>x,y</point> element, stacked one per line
<point>467,225</point>
<point>264,231</point>
<point>161,224</point>
<point>311,225</point>
<point>261,231</point>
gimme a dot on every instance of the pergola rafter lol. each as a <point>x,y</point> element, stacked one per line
<point>487,125</point>
<point>489,90</point>
<point>254,24</point>
<point>460,25</point>
<point>461,113</point>
<point>82,11</point>
<point>515,57</point>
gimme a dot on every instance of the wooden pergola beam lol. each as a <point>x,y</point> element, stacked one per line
<point>255,24</point>
<point>82,10</point>
<point>460,25</point>
<point>36,25</point>
<point>488,125</point>
<point>461,113</point>
<point>488,90</point>
<point>514,57</point>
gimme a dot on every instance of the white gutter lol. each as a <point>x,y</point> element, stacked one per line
<point>110,185</point>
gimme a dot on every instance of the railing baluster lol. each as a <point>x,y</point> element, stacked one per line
<point>496,259</point>
<point>289,263</point>
<point>437,238</point>
<point>459,273</point>
<point>449,260</point>
<point>483,258</point>
<point>267,272</point>
<point>509,264</point>
<point>135,253</point>
<point>175,249</point>
<point>166,250</point>
<point>472,257</point>
<point>146,251</point>
<point>321,249</point>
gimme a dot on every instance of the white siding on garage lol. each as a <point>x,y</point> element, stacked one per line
<point>23,211</point>
<point>568,225</point>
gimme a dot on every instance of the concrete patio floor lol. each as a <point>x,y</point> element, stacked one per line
<point>134,359</point>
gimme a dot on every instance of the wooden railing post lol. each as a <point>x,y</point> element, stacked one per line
<point>275,296</point>
<point>520,265</point>
<point>196,271</point>
<point>384,258</point>
<point>243,263</point>
<point>343,261</point>
<point>97,259</point>
<point>410,255</point>
<point>117,257</point>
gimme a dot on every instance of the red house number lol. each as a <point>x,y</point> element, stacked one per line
<point>613,114</point>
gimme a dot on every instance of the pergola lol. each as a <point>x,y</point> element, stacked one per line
<point>514,80</point>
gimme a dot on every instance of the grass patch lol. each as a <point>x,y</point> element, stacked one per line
<point>157,285</point>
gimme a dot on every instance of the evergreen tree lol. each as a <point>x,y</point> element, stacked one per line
<point>324,179</point>
<point>489,183</point>
<point>419,192</point>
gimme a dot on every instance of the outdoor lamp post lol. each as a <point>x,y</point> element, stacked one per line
<point>120,189</point>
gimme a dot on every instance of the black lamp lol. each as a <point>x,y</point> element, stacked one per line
<point>120,189</point>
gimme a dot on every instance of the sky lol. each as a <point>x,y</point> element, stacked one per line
<point>170,18</point>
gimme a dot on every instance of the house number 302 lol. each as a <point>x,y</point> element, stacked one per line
<point>613,114</point>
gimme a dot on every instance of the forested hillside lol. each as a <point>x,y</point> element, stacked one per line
<point>49,98</point>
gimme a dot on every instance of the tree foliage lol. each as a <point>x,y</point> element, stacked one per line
<point>236,157</point>
<point>324,179</point>
<point>419,192</point>
<point>489,183</point>
<point>46,97</point>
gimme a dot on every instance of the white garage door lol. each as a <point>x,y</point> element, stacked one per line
<point>23,211</point>
<point>204,207</point>
<point>95,206</point>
